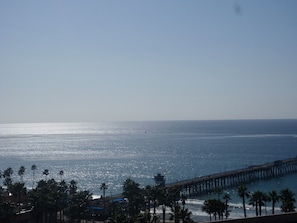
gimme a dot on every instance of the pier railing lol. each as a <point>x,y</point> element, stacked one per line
<point>205,184</point>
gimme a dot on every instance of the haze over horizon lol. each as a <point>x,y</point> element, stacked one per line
<point>74,61</point>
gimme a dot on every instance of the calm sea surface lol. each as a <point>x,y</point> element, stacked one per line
<point>111,152</point>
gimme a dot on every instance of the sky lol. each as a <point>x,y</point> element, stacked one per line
<point>89,61</point>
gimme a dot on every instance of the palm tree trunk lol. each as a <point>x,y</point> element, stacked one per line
<point>164,210</point>
<point>243,205</point>
<point>226,209</point>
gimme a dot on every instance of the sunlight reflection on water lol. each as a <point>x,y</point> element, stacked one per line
<point>92,153</point>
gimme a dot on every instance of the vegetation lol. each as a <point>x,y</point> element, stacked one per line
<point>51,201</point>
<point>216,207</point>
<point>227,198</point>
<point>243,193</point>
<point>287,199</point>
<point>45,201</point>
<point>274,198</point>
<point>258,199</point>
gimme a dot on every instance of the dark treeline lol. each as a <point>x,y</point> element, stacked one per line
<point>48,201</point>
<point>219,208</point>
<point>51,201</point>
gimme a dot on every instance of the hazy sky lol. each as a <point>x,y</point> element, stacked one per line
<point>147,60</point>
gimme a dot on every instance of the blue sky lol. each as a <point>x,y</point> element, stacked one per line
<point>64,61</point>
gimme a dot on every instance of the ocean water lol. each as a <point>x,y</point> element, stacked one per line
<point>111,152</point>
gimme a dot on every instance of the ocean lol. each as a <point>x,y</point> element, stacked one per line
<point>111,152</point>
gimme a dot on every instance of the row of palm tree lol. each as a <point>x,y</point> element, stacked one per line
<point>152,196</point>
<point>7,174</point>
<point>257,199</point>
<point>215,207</point>
<point>48,198</point>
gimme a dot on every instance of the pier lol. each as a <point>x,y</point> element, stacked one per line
<point>209,183</point>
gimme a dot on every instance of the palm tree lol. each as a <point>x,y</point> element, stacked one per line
<point>61,173</point>
<point>43,199</point>
<point>243,193</point>
<point>21,172</point>
<point>79,206</point>
<point>274,197</point>
<point>220,208</point>
<point>156,195</point>
<point>219,192</point>
<point>8,172</point>
<point>72,187</point>
<point>19,189</point>
<point>62,193</point>
<point>164,200</point>
<point>215,207</point>
<point>176,212</point>
<point>33,168</point>
<point>7,178</point>
<point>46,173</point>
<point>254,201</point>
<point>132,191</point>
<point>208,208</point>
<point>148,196</point>
<point>152,194</point>
<point>266,199</point>
<point>261,197</point>
<point>227,198</point>
<point>288,200</point>
<point>183,199</point>
<point>186,215</point>
<point>104,188</point>
<point>174,196</point>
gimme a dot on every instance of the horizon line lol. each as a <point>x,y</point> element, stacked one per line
<point>156,120</point>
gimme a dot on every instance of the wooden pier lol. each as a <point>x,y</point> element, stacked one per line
<point>209,183</point>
